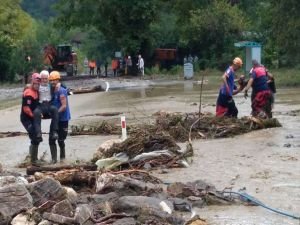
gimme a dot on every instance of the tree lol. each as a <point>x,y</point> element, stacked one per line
<point>39,9</point>
<point>212,31</point>
<point>284,21</point>
<point>15,23</point>
<point>125,23</point>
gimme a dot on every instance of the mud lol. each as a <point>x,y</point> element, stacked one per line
<point>259,161</point>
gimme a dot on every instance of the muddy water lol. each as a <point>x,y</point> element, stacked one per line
<point>265,163</point>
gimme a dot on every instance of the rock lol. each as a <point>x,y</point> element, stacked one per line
<point>287,145</point>
<point>104,147</point>
<point>45,222</point>
<point>22,219</point>
<point>125,221</point>
<point>181,204</point>
<point>72,196</point>
<point>59,219</point>
<point>7,180</point>
<point>196,188</point>
<point>196,220</point>
<point>14,199</point>
<point>176,189</point>
<point>147,166</point>
<point>289,136</point>
<point>45,190</point>
<point>196,201</point>
<point>101,199</point>
<point>63,208</point>
<point>144,207</point>
<point>107,182</point>
<point>82,214</point>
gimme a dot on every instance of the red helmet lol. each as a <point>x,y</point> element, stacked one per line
<point>35,78</point>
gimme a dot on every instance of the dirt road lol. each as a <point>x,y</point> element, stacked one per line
<point>265,162</point>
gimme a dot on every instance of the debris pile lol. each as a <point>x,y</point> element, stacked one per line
<point>183,126</point>
<point>123,197</point>
<point>142,150</point>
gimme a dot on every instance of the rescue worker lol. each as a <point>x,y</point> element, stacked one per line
<point>114,66</point>
<point>92,65</point>
<point>60,100</point>
<point>45,109</point>
<point>261,94</point>
<point>225,103</point>
<point>30,100</point>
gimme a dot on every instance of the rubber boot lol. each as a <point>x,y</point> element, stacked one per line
<point>62,151</point>
<point>30,149</point>
<point>34,155</point>
<point>53,150</point>
<point>62,154</point>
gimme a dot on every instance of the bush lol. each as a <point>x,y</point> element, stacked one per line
<point>5,55</point>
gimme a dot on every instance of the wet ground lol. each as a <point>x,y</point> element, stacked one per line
<point>265,162</point>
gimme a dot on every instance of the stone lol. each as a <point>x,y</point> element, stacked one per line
<point>7,180</point>
<point>55,218</point>
<point>181,204</point>
<point>14,199</point>
<point>196,201</point>
<point>45,190</point>
<point>102,198</point>
<point>82,214</point>
<point>125,221</point>
<point>107,182</point>
<point>72,196</point>
<point>22,219</point>
<point>63,208</point>
<point>144,207</point>
<point>45,222</point>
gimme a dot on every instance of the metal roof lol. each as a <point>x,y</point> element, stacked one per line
<point>250,44</point>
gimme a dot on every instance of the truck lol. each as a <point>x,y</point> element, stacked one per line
<point>61,58</point>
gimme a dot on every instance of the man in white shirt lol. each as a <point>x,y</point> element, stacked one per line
<point>141,65</point>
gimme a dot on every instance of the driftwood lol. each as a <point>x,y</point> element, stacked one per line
<point>70,177</point>
<point>32,169</point>
<point>87,90</point>
<point>12,134</point>
<point>103,114</point>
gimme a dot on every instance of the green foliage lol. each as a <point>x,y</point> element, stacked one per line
<point>212,31</point>
<point>125,23</point>
<point>5,53</point>
<point>285,27</point>
<point>15,24</point>
<point>39,9</point>
<point>176,70</point>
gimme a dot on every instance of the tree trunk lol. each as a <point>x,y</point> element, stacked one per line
<point>32,169</point>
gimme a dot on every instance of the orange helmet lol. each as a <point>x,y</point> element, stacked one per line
<point>54,75</point>
<point>237,61</point>
<point>35,78</point>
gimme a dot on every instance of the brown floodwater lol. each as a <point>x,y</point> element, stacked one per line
<point>264,162</point>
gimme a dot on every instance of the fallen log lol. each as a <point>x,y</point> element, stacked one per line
<point>12,134</point>
<point>88,90</point>
<point>30,170</point>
